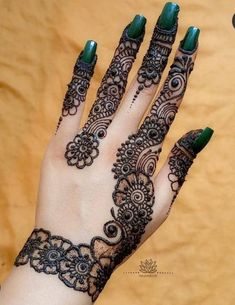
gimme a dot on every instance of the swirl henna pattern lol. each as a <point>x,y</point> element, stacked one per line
<point>87,267</point>
<point>109,95</point>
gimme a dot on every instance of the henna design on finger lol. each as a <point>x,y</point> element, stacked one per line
<point>77,88</point>
<point>155,60</point>
<point>141,150</point>
<point>113,86</point>
<point>109,95</point>
<point>181,159</point>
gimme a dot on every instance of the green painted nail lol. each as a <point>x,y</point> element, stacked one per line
<point>169,15</point>
<point>89,51</point>
<point>190,40</point>
<point>202,140</point>
<point>137,26</point>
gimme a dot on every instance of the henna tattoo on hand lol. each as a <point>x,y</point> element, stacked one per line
<point>87,267</point>
<point>155,60</point>
<point>109,95</point>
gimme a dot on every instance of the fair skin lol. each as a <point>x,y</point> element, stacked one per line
<point>76,203</point>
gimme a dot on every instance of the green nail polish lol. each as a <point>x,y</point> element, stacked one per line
<point>89,51</point>
<point>190,40</point>
<point>202,140</point>
<point>169,15</point>
<point>137,26</point>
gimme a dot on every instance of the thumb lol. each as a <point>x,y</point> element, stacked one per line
<point>172,175</point>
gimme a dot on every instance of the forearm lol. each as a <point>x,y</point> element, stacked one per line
<point>24,286</point>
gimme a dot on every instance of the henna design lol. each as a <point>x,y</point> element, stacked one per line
<point>109,95</point>
<point>78,267</point>
<point>82,150</point>
<point>77,88</point>
<point>181,159</point>
<point>87,267</point>
<point>155,60</point>
<point>141,150</point>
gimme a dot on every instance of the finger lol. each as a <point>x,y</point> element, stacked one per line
<point>77,90</point>
<point>145,84</point>
<point>171,177</point>
<point>141,150</point>
<point>114,82</point>
<point>84,147</point>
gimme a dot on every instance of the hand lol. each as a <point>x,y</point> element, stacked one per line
<point>98,198</point>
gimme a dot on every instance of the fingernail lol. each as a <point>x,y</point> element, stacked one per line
<point>137,26</point>
<point>202,140</point>
<point>89,51</point>
<point>190,40</point>
<point>169,15</point>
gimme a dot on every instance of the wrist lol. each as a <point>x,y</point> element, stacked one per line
<point>76,266</point>
<point>25,286</point>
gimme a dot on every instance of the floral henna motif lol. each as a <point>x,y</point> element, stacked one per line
<point>155,60</point>
<point>109,94</point>
<point>36,238</point>
<point>82,150</point>
<point>76,266</point>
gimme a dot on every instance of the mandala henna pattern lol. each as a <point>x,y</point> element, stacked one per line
<point>87,267</point>
<point>155,60</point>
<point>109,95</point>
